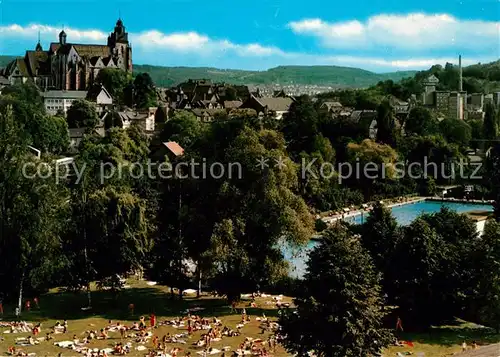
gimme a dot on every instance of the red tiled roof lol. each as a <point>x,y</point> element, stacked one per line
<point>175,148</point>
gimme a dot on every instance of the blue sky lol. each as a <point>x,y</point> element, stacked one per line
<point>378,35</point>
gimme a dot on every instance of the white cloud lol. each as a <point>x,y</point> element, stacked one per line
<point>193,42</point>
<point>187,41</point>
<point>31,31</point>
<point>412,31</point>
<point>156,47</point>
<point>413,63</point>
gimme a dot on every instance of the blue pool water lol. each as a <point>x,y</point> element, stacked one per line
<point>404,215</point>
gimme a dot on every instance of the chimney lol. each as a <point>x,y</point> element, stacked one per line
<point>460,86</point>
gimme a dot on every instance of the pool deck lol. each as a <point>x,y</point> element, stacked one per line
<point>355,213</point>
<point>459,200</point>
<point>350,214</point>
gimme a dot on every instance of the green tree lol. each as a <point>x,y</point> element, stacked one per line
<point>244,246</point>
<point>109,212</point>
<point>51,134</point>
<point>29,96</point>
<point>421,122</point>
<point>492,181</point>
<point>488,276</point>
<point>490,123</point>
<point>434,156</point>
<point>183,128</point>
<point>31,215</point>
<point>339,308</point>
<point>82,114</point>
<point>46,133</point>
<point>456,131</point>
<point>301,126</point>
<point>417,259</point>
<point>115,81</point>
<point>434,269</point>
<point>380,236</point>
<point>476,127</point>
<point>455,282</point>
<point>385,124</point>
<point>144,91</point>
<point>377,162</point>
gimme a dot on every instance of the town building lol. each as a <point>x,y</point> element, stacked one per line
<point>269,106</point>
<point>126,118</point>
<point>70,66</point>
<point>429,95</point>
<point>367,121</point>
<point>476,101</point>
<point>101,97</point>
<point>76,136</point>
<point>330,108</point>
<point>450,104</point>
<point>58,101</point>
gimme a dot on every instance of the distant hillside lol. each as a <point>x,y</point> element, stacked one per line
<point>319,75</point>
<point>479,77</point>
<point>4,60</point>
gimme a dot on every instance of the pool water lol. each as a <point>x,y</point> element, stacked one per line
<point>404,215</point>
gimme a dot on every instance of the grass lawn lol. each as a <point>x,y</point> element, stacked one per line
<point>445,340</point>
<point>55,306</point>
<point>147,299</point>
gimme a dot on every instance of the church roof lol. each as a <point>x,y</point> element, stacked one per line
<point>232,104</point>
<point>95,90</point>
<point>83,50</point>
<point>21,66</point>
<point>93,61</point>
<point>92,50</point>
<point>278,104</point>
<point>72,94</point>
<point>38,62</point>
<point>107,60</point>
<point>331,105</point>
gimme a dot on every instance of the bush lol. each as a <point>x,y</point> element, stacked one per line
<point>320,225</point>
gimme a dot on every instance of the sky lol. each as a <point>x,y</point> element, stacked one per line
<point>377,35</point>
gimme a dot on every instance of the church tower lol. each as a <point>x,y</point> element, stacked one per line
<point>62,37</point>
<point>38,47</point>
<point>120,48</point>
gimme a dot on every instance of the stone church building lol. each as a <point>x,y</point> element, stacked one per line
<point>71,66</point>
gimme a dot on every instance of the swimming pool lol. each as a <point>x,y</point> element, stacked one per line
<point>404,215</point>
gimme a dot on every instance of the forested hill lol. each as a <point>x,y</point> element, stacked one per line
<point>319,75</point>
<point>304,75</point>
<point>477,78</point>
<point>4,60</point>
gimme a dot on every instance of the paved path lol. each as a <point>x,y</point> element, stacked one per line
<point>484,351</point>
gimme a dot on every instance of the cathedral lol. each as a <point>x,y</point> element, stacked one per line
<point>71,66</point>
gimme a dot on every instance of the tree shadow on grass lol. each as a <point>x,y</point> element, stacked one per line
<point>451,336</point>
<point>115,306</point>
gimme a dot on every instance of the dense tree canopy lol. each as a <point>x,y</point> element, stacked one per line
<point>82,114</point>
<point>456,131</point>
<point>144,91</point>
<point>421,122</point>
<point>339,309</point>
<point>31,214</point>
<point>115,81</point>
